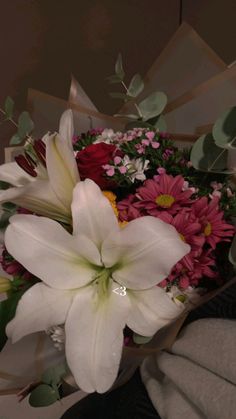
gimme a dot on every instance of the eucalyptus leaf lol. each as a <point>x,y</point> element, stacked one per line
<point>4,185</point>
<point>113,79</point>
<point>153,105</point>
<point>43,395</point>
<point>9,107</point>
<point>136,86</point>
<point>141,340</point>
<point>7,312</point>
<point>16,139</point>
<point>160,124</point>
<point>232,252</point>
<point>4,220</point>
<point>118,95</point>
<point>9,206</point>
<point>119,68</point>
<point>53,375</point>
<point>207,156</point>
<point>25,124</point>
<point>224,130</point>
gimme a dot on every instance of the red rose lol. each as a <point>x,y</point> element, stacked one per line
<point>90,161</point>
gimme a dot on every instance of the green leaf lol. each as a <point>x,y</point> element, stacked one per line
<point>7,312</point>
<point>207,157</point>
<point>136,86</point>
<point>160,123</point>
<point>119,68</point>
<point>25,124</point>
<point>4,185</point>
<point>118,95</point>
<point>224,130</point>
<point>16,139</point>
<point>9,106</point>
<point>9,206</point>
<point>113,79</point>
<point>53,375</point>
<point>232,252</point>
<point>43,395</point>
<point>153,105</point>
<point>141,340</point>
<point>4,220</point>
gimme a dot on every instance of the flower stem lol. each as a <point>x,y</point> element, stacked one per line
<point>9,119</point>
<point>135,104</point>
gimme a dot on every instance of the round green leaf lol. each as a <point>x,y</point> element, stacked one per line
<point>16,139</point>
<point>25,124</point>
<point>207,157</point>
<point>224,130</point>
<point>153,105</point>
<point>136,86</point>
<point>43,395</point>
<point>141,340</point>
<point>160,124</point>
<point>53,375</point>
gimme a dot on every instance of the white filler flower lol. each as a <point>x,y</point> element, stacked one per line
<point>95,281</point>
<point>50,193</point>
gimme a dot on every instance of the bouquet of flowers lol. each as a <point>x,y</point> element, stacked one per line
<point>111,236</point>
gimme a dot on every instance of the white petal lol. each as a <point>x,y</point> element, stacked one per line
<point>145,251</point>
<point>150,310</point>
<point>38,197</point>
<point>38,309</point>
<point>59,170</point>
<point>66,126</point>
<point>50,252</point>
<point>94,338</point>
<point>92,213</point>
<point>13,174</point>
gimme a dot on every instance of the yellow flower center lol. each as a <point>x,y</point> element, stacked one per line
<point>165,200</point>
<point>208,229</point>
<point>182,237</point>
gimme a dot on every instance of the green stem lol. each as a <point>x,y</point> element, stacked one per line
<point>9,119</point>
<point>135,104</point>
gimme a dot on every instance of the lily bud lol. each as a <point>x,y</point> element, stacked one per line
<point>5,285</point>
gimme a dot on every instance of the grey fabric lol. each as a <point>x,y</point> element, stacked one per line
<point>197,379</point>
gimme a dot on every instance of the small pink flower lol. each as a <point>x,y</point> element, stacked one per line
<point>127,210</point>
<point>110,172</point>
<point>150,135</point>
<point>122,169</point>
<point>216,193</point>
<point>161,170</point>
<point>145,142</point>
<point>117,160</point>
<point>140,149</point>
<point>155,144</point>
<point>216,185</point>
<point>229,193</point>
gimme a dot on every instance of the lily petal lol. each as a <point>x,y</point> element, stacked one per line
<point>66,127</point>
<point>13,174</point>
<point>145,251</point>
<point>92,213</point>
<point>151,310</point>
<point>48,251</point>
<point>38,309</point>
<point>62,169</point>
<point>38,197</point>
<point>94,338</point>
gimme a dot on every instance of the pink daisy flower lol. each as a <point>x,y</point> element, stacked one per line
<point>164,193</point>
<point>189,230</point>
<point>127,211</point>
<point>214,227</point>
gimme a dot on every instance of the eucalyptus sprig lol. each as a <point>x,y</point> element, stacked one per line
<point>24,124</point>
<point>148,111</point>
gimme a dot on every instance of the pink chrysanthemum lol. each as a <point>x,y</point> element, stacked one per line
<point>164,193</point>
<point>189,230</point>
<point>127,211</point>
<point>214,226</point>
<point>202,267</point>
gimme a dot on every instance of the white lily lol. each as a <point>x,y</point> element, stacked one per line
<point>95,281</point>
<point>50,193</point>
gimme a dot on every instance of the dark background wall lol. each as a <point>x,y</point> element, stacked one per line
<point>43,41</point>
